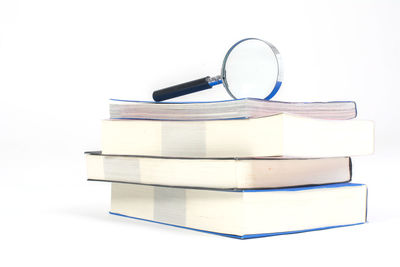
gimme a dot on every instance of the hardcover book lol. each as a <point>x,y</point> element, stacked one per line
<point>244,213</point>
<point>226,173</point>
<point>277,135</point>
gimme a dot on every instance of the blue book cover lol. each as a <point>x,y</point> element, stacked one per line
<point>229,109</point>
<point>244,214</point>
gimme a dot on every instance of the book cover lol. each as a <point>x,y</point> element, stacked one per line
<point>244,213</point>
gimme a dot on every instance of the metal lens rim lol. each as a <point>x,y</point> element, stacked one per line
<point>279,76</point>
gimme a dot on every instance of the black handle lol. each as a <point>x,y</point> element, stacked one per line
<point>181,89</point>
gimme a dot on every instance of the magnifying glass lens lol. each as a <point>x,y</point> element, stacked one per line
<point>250,69</point>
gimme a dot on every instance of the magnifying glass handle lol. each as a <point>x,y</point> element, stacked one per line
<point>182,89</point>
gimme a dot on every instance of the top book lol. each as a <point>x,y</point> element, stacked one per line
<point>229,109</point>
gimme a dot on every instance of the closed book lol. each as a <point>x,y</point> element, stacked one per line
<point>244,213</point>
<point>229,109</point>
<point>226,173</point>
<point>278,135</point>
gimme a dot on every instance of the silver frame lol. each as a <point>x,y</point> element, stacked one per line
<point>279,76</point>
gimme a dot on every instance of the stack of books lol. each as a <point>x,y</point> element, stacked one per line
<point>242,168</point>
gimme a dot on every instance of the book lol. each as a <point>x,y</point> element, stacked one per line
<point>230,109</point>
<point>226,173</point>
<point>245,213</point>
<point>277,135</point>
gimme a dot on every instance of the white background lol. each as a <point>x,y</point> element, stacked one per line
<point>61,60</point>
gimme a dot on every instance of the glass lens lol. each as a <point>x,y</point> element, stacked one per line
<point>251,69</point>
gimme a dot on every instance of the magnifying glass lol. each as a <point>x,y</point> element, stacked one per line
<point>251,68</point>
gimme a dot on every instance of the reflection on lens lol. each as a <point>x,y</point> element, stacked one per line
<point>251,69</point>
